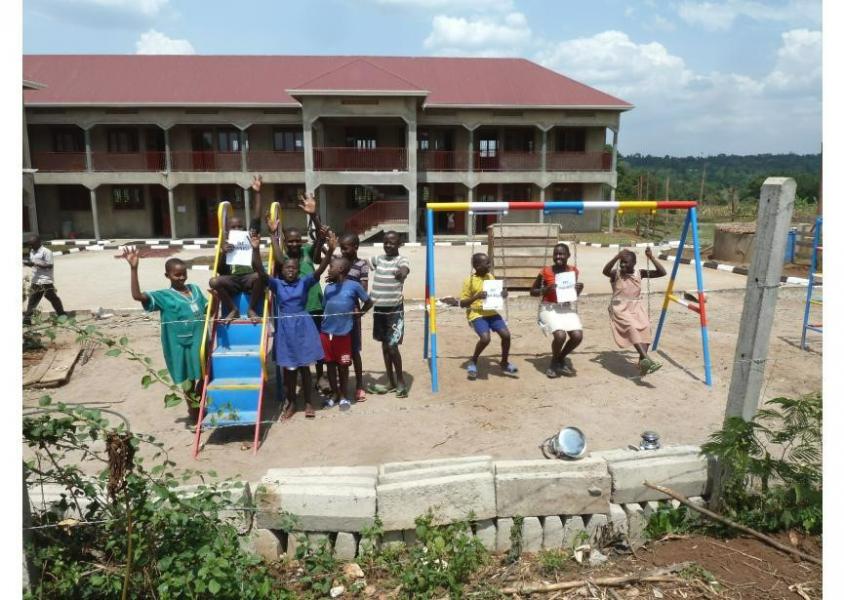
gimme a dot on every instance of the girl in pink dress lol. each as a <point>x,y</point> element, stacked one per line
<point>628,317</point>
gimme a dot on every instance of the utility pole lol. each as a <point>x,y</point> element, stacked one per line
<point>702,183</point>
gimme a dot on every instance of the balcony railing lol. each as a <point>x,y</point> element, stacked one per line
<point>275,161</point>
<point>205,161</point>
<point>58,161</point>
<point>505,160</point>
<point>360,159</point>
<point>579,161</point>
<point>386,211</point>
<point>128,161</point>
<point>442,160</point>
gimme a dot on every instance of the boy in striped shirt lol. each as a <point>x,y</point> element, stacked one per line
<point>389,273</point>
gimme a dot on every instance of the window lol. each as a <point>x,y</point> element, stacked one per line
<point>488,148</point>
<point>68,140</point>
<point>74,197</point>
<point>127,197</point>
<point>362,138</point>
<point>518,141</point>
<point>517,193</point>
<point>228,140</point>
<point>233,194</point>
<point>571,139</point>
<point>360,196</point>
<point>122,140</point>
<point>287,140</point>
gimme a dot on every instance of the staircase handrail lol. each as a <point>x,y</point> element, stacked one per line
<point>351,223</point>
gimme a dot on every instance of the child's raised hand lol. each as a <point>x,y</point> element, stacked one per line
<point>503,293</point>
<point>649,253</point>
<point>227,247</point>
<point>255,240</point>
<point>257,180</point>
<point>332,241</point>
<point>307,203</point>
<point>272,225</point>
<point>132,256</point>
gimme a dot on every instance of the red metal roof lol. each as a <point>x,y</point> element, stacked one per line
<point>265,80</point>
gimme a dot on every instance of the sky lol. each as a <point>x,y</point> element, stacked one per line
<point>712,77</point>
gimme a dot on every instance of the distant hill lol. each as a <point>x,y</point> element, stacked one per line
<point>727,176</point>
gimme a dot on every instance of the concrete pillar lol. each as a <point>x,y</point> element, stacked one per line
<point>544,157</point>
<point>541,199</point>
<point>614,161</point>
<point>95,214</point>
<point>470,219</point>
<point>171,204</point>
<point>411,213</point>
<point>168,159</point>
<point>89,159</point>
<point>244,143</point>
<point>308,143</point>
<point>247,207</point>
<point>412,179</point>
<point>471,163</point>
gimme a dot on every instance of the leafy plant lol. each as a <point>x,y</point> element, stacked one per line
<point>552,562</point>
<point>515,550</point>
<point>318,563</point>
<point>668,519</point>
<point>772,465</point>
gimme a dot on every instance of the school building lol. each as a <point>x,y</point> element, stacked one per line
<point>146,146</point>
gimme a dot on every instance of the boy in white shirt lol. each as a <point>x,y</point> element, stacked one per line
<point>42,284</point>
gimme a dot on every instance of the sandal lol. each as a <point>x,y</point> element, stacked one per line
<point>472,371</point>
<point>402,392</point>
<point>509,369</point>
<point>551,373</point>
<point>377,388</point>
<point>309,412</point>
<point>360,396</point>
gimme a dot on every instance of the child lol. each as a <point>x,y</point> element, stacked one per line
<point>41,285</point>
<point>234,279</point>
<point>559,318</point>
<point>341,299</point>
<point>182,307</point>
<point>628,316</point>
<point>296,344</point>
<point>482,321</point>
<point>359,272</point>
<point>388,316</point>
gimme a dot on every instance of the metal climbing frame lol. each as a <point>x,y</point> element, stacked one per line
<point>569,207</point>
<point>813,275</point>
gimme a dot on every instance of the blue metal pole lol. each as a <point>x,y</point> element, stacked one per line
<point>431,300</point>
<point>701,298</point>
<point>670,289</point>
<point>427,292</point>
<point>812,267</point>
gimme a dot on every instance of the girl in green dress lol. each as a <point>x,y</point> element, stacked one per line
<point>182,308</point>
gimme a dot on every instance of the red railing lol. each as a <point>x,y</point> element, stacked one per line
<point>579,161</point>
<point>205,161</point>
<point>58,161</point>
<point>442,160</point>
<point>360,159</point>
<point>128,161</point>
<point>275,161</point>
<point>385,211</point>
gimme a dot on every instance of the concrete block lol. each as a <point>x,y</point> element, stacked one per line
<point>551,487</point>
<point>636,524</point>
<point>264,543</point>
<point>236,496</point>
<point>650,508</point>
<point>552,533</point>
<point>571,531</point>
<point>675,504</point>
<point>367,546</point>
<point>345,546</point>
<point>531,535</point>
<point>485,531</point>
<point>679,467</point>
<point>394,467</point>
<point>437,471</point>
<point>317,539</point>
<point>409,537</point>
<point>294,540</point>
<point>502,534</point>
<point>617,519</point>
<point>392,539</point>
<point>452,498</point>
<point>596,527</point>
<point>697,501</point>
<point>316,507</point>
<point>273,475</point>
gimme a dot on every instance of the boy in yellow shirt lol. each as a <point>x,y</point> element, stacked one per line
<point>484,321</point>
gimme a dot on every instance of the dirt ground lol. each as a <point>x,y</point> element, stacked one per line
<point>495,415</point>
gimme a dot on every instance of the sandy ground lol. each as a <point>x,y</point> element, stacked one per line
<point>496,415</point>
<point>78,291</point>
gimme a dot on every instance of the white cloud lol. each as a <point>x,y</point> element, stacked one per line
<point>155,42</point>
<point>451,5</point>
<point>102,13</point>
<point>798,65</point>
<point>504,35</point>
<point>720,16</point>
<point>660,23</point>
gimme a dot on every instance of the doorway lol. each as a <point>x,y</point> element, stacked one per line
<point>160,212</point>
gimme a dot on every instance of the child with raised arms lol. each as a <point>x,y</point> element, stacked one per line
<point>628,317</point>
<point>482,320</point>
<point>182,307</point>
<point>560,319</point>
<point>359,272</point>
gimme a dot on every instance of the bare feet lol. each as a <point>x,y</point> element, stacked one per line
<point>289,411</point>
<point>253,316</point>
<point>232,316</point>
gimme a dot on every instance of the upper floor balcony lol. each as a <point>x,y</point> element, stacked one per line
<point>450,160</point>
<point>360,159</point>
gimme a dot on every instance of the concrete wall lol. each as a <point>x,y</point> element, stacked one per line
<point>386,134</point>
<point>589,221</point>
<point>51,218</point>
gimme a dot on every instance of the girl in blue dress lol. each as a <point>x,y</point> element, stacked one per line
<point>296,343</point>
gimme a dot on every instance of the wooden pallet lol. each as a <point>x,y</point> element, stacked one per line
<point>54,369</point>
<point>518,251</point>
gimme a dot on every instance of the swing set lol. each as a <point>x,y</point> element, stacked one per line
<point>576,208</point>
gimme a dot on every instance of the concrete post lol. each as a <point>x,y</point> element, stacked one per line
<point>247,207</point>
<point>168,159</point>
<point>471,163</point>
<point>171,205</point>
<point>470,219</point>
<point>541,199</point>
<point>95,214</point>
<point>614,165</point>
<point>411,187</point>
<point>308,143</point>
<point>244,143</point>
<point>89,159</point>
<point>544,157</point>
<point>776,204</point>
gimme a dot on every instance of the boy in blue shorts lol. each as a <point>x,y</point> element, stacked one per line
<point>340,303</point>
<point>484,321</point>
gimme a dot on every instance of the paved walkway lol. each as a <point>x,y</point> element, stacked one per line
<point>88,280</point>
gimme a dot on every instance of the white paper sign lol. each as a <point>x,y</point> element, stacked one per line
<point>242,253</point>
<point>494,300</point>
<point>565,287</point>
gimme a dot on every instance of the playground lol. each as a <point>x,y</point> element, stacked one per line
<point>495,415</point>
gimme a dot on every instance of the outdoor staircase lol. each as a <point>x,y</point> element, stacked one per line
<point>378,217</point>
